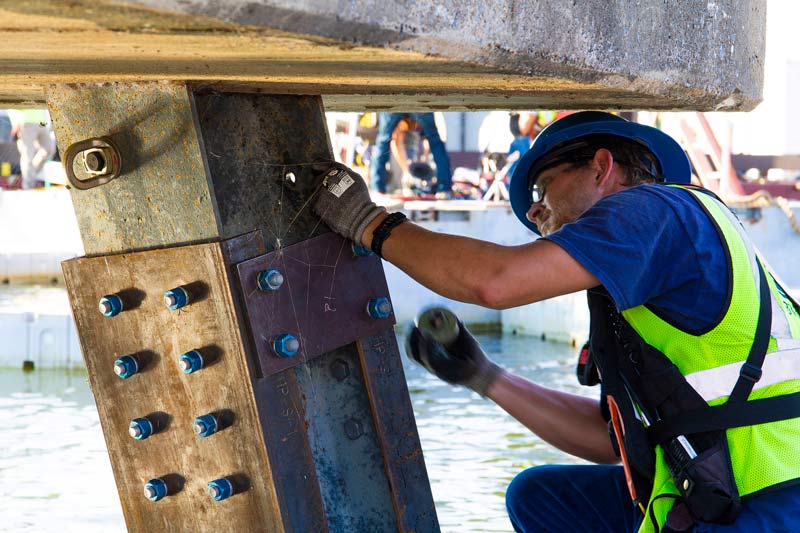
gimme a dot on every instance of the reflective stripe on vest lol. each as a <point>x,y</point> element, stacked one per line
<point>779,366</point>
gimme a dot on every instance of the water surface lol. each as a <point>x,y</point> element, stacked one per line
<point>56,476</point>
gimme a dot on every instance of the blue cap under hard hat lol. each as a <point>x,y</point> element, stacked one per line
<point>674,164</point>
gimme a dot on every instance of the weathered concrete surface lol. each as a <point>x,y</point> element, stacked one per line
<point>425,54</point>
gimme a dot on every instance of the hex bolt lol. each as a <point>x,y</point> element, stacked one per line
<point>340,369</point>
<point>360,250</point>
<point>176,298</point>
<point>379,307</point>
<point>205,425</point>
<point>155,489</point>
<point>95,161</point>
<point>126,366</point>
<point>220,489</point>
<point>110,305</point>
<point>353,429</point>
<point>191,361</point>
<point>270,280</point>
<point>140,428</point>
<point>286,345</point>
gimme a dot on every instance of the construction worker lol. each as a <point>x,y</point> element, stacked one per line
<point>694,342</point>
<point>387,124</point>
<point>35,142</point>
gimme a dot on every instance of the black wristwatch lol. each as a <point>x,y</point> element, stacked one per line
<point>384,229</point>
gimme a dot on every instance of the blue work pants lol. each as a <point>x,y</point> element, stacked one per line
<point>387,122</point>
<point>595,498</point>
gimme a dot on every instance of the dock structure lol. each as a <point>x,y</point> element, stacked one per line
<point>242,356</point>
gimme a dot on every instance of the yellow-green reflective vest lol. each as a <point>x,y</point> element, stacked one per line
<point>762,455</point>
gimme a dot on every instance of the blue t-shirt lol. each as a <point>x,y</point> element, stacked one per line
<point>654,245</point>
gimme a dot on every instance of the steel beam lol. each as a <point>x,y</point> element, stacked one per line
<point>214,188</point>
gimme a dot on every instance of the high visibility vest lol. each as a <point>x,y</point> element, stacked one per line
<point>762,455</point>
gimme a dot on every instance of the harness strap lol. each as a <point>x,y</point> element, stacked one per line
<point>751,369</point>
<point>725,416</point>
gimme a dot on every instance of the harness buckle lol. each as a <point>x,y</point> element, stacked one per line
<point>750,372</point>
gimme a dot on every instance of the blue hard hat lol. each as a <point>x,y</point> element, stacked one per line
<point>674,164</point>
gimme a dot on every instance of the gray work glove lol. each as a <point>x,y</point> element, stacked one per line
<point>463,362</point>
<point>343,202</point>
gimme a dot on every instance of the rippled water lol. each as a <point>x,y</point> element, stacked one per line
<point>55,474</point>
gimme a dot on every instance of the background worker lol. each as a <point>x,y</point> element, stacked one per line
<point>387,123</point>
<point>35,142</point>
<point>683,316</point>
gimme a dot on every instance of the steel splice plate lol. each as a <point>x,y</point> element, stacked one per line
<point>322,301</point>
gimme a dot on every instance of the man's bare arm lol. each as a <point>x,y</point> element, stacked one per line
<point>480,272</point>
<point>569,422</point>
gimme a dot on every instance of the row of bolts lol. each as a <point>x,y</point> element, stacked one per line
<point>284,345</point>
<point>126,366</point>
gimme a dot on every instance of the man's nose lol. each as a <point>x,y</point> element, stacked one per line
<point>534,211</point>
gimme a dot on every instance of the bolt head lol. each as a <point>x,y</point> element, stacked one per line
<point>353,429</point>
<point>360,250</point>
<point>270,280</point>
<point>286,345</point>
<point>135,431</point>
<point>95,161</point>
<point>340,369</point>
<point>379,307</point>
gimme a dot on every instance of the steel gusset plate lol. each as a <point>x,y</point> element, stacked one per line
<point>322,302</point>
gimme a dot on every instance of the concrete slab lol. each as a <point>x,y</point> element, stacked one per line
<point>427,54</point>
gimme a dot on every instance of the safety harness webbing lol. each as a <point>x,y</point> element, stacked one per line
<point>737,411</point>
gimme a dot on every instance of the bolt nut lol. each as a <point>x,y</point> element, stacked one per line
<point>176,298</point>
<point>379,307</point>
<point>155,489</point>
<point>191,362</point>
<point>110,305</point>
<point>220,489</point>
<point>270,280</point>
<point>126,366</point>
<point>205,425</point>
<point>95,161</point>
<point>360,250</point>
<point>140,428</point>
<point>340,369</point>
<point>353,429</point>
<point>286,345</point>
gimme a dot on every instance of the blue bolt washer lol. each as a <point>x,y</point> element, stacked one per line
<point>379,307</point>
<point>140,428</point>
<point>126,366</point>
<point>286,345</point>
<point>220,489</point>
<point>176,298</point>
<point>110,305</point>
<point>205,425</point>
<point>155,489</point>
<point>270,280</point>
<point>360,250</point>
<point>191,361</point>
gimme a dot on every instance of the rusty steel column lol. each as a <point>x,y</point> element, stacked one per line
<point>241,356</point>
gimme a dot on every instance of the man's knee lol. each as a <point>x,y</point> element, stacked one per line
<point>532,484</point>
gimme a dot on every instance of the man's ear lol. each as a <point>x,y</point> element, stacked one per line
<point>603,162</point>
